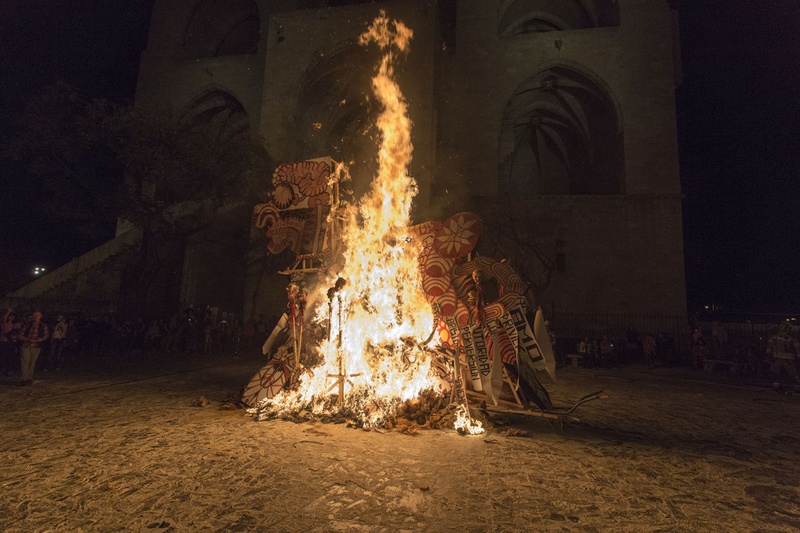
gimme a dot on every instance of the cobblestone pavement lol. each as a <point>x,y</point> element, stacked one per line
<point>669,450</point>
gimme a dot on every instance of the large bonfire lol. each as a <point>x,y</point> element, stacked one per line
<point>375,320</point>
<point>399,327</point>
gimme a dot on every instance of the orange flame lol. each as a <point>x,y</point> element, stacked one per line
<point>378,317</point>
<point>465,424</point>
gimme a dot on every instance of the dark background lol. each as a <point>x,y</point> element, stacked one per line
<point>739,138</point>
<point>738,128</point>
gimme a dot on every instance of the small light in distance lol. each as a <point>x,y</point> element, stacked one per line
<point>38,270</point>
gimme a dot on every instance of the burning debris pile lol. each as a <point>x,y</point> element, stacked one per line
<point>430,410</point>
<point>388,325</point>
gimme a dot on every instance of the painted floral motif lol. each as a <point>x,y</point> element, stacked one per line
<point>457,236</point>
<point>296,183</point>
<point>319,199</point>
<point>283,196</point>
<point>286,174</point>
<point>315,177</point>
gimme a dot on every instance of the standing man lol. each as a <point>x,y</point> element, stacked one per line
<point>34,333</point>
<point>57,343</point>
<point>7,351</point>
<point>783,350</point>
<point>719,338</point>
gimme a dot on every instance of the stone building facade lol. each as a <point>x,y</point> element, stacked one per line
<point>559,114</point>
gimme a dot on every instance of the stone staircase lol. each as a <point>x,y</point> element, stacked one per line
<point>76,279</point>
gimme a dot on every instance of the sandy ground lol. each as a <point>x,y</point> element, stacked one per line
<point>128,451</point>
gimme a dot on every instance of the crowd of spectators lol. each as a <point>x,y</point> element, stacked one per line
<point>72,341</point>
<point>772,356</point>
<point>29,341</point>
<point>607,351</point>
<point>767,357</point>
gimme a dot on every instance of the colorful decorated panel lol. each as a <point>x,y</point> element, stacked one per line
<point>295,217</point>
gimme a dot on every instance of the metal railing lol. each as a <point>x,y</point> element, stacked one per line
<point>575,326</point>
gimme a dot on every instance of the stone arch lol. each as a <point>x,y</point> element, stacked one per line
<point>213,128</point>
<point>218,117</point>
<point>561,133</point>
<point>336,111</point>
<point>221,28</point>
<point>219,110</point>
<point>533,16</point>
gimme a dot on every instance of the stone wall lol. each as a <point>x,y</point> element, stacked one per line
<point>633,61</point>
<point>621,252</point>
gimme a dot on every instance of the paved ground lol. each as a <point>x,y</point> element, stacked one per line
<point>128,451</point>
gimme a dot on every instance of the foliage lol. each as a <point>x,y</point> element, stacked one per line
<point>169,174</point>
<point>99,160</point>
<point>69,146</point>
<point>534,248</point>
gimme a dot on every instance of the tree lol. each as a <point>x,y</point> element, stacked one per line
<point>170,175</point>
<point>535,248</point>
<point>67,145</point>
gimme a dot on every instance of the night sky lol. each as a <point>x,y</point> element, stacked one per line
<point>94,45</point>
<point>739,138</point>
<point>738,116</point>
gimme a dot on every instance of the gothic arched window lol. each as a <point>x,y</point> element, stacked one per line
<point>220,111</point>
<point>561,134</point>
